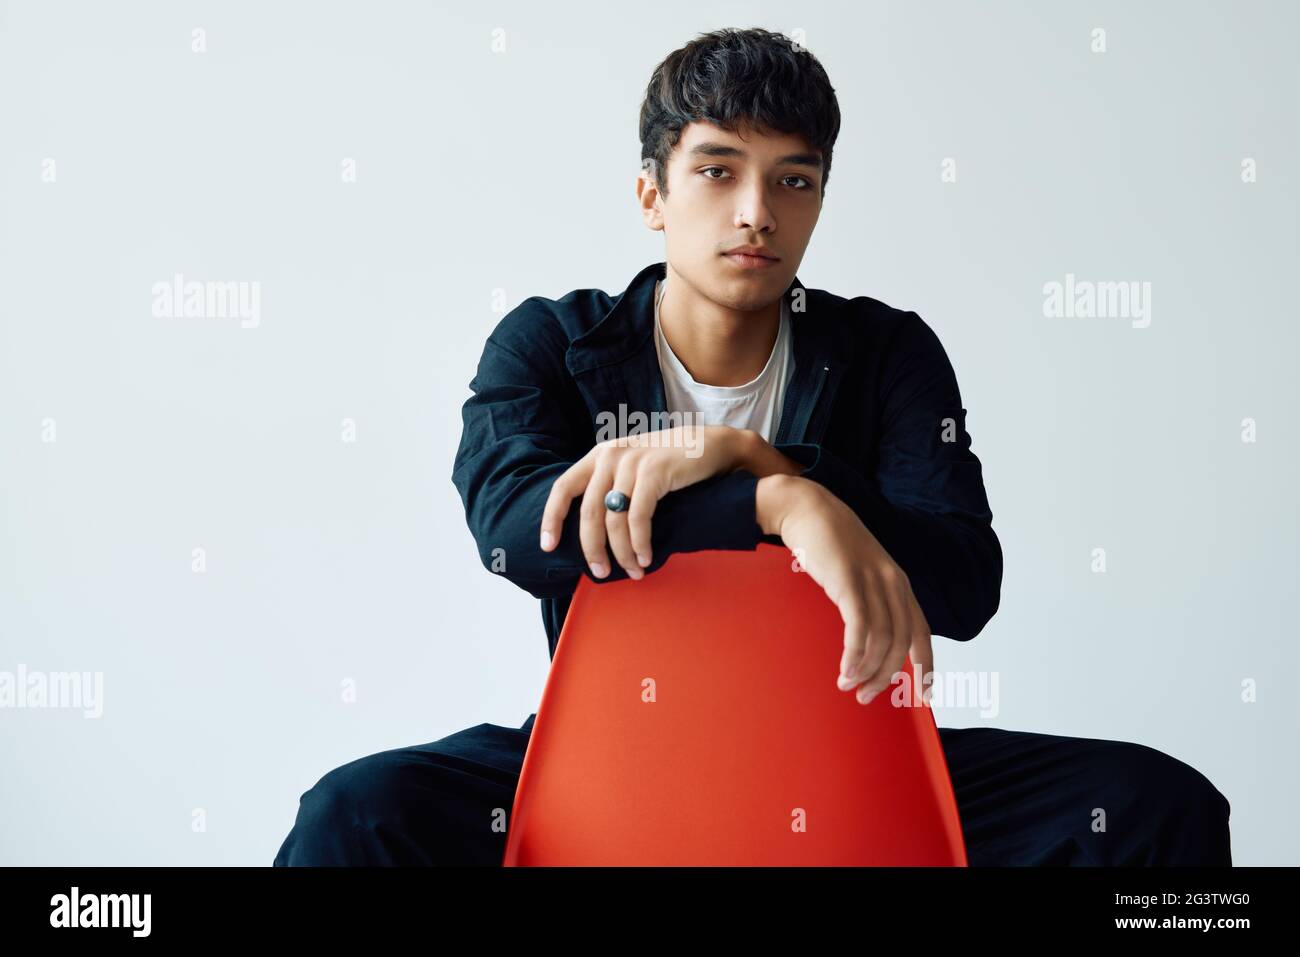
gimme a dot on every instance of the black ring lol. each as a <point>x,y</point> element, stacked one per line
<point>616,501</point>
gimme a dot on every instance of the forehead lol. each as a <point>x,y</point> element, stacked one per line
<point>748,138</point>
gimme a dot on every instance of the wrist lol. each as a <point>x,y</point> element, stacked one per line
<point>750,451</point>
<point>743,448</point>
<point>773,496</point>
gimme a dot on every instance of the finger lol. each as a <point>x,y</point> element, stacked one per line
<point>922,649</point>
<point>591,530</point>
<point>857,624</point>
<point>890,668</point>
<point>563,491</point>
<point>616,522</point>
<point>649,492</point>
<point>899,638</point>
<point>922,666</point>
<point>879,637</point>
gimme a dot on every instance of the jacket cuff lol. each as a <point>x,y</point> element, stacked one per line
<point>717,513</point>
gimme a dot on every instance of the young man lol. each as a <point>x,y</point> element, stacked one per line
<point>832,425</point>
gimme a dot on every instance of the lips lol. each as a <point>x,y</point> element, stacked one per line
<point>752,252</point>
<point>750,261</point>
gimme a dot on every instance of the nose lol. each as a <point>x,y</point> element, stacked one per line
<point>753,210</point>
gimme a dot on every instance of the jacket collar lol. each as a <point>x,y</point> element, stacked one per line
<point>615,361</point>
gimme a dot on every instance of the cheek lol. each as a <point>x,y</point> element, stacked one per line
<point>801,222</point>
<point>693,210</point>
<point>694,229</point>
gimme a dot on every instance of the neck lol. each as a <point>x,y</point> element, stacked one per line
<point>718,346</point>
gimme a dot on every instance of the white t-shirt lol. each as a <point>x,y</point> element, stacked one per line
<point>755,405</point>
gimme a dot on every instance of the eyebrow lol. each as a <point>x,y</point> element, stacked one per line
<point>709,148</point>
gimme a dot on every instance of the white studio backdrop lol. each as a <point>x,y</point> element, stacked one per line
<point>246,527</point>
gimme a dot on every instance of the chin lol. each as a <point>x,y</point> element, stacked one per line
<point>756,285</point>
<point>746,295</point>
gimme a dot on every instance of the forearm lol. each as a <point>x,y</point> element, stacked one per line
<point>773,496</point>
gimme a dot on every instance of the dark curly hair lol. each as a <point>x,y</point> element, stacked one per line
<point>729,77</point>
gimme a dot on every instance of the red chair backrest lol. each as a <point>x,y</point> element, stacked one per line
<point>692,718</point>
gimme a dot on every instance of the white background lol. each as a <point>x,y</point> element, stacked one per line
<point>480,171</point>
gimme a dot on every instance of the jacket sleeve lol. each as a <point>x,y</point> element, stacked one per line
<point>927,504</point>
<point>516,441</point>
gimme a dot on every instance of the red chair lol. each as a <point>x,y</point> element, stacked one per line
<point>692,718</point>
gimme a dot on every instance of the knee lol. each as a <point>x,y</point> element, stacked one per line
<point>1176,785</point>
<point>1183,815</point>
<point>352,794</point>
<point>337,815</point>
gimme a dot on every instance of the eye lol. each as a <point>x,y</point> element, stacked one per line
<point>807,183</point>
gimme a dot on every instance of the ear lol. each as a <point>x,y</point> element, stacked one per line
<point>647,194</point>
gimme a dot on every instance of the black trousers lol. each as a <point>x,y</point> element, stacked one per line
<point>1023,798</point>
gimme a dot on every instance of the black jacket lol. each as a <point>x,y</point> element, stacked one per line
<point>872,402</point>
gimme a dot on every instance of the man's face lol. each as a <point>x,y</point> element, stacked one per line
<point>736,189</point>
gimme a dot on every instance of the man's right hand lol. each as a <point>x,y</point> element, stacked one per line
<point>882,619</point>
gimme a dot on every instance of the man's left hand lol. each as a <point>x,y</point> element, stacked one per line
<point>645,467</point>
